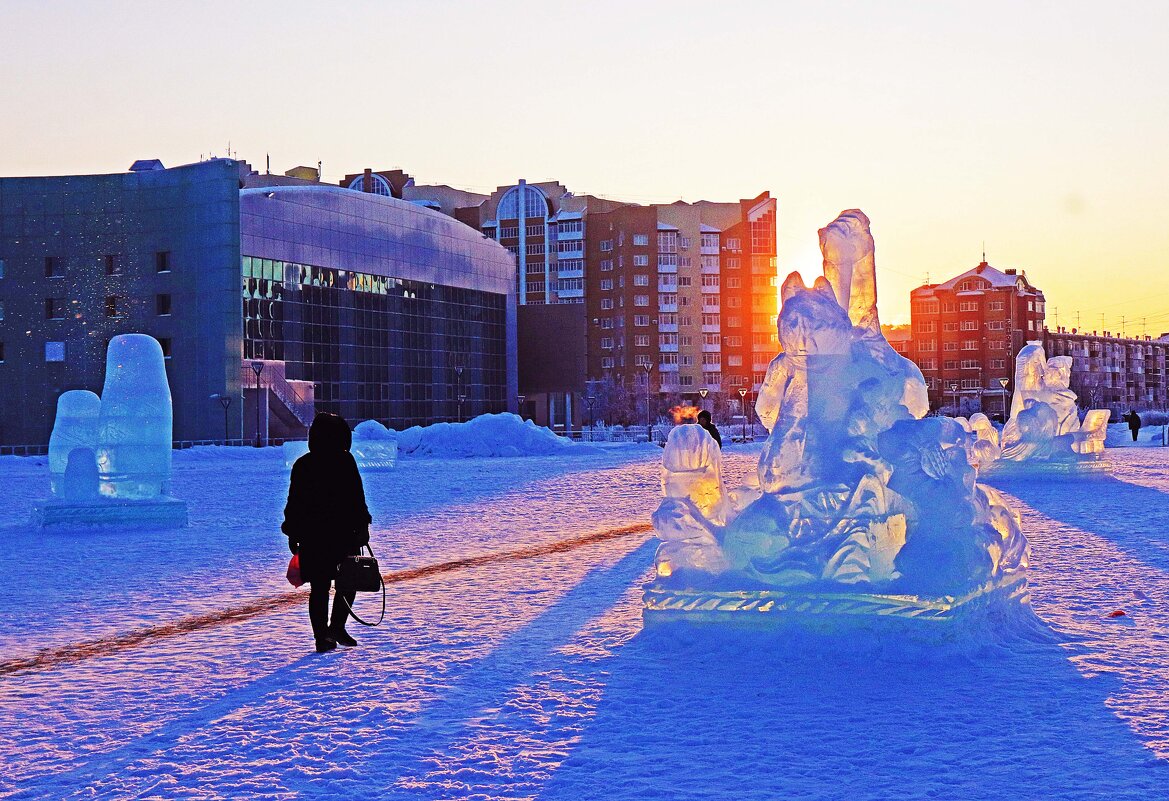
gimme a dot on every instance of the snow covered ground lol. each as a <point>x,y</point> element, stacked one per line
<point>531,676</point>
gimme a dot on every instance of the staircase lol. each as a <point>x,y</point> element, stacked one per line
<point>291,404</point>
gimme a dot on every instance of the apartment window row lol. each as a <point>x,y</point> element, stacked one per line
<point>709,241</point>
<point>509,232</point>
<point>570,227</point>
<point>641,240</point>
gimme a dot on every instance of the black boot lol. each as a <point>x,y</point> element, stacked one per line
<point>325,644</point>
<point>343,637</point>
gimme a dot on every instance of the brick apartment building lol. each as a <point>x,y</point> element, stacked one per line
<point>1113,372</point>
<point>606,289</point>
<point>966,333</point>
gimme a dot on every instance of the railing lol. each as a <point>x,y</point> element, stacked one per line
<point>303,409</point>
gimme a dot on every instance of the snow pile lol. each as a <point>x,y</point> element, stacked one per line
<point>503,434</point>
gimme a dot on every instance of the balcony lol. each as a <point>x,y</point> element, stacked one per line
<point>666,269</point>
<point>708,250</point>
<point>668,328</point>
<point>668,287</point>
<point>668,368</point>
<point>563,273</point>
<point>668,348</point>
<point>709,269</point>
<point>667,307</point>
<point>708,348</point>
<point>570,293</point>
<point>711,308</point>
<point>711,290</point>
<point>712,329</point>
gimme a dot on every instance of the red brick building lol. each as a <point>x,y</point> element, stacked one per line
<point>966,333</point>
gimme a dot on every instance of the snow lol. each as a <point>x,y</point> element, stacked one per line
<point>532,676</point>
<point>486,435</point>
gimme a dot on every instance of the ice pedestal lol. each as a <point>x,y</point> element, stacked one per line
<point>862,509</point>
<point>110,457</point>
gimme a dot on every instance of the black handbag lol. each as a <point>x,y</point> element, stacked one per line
<point>361,574</point>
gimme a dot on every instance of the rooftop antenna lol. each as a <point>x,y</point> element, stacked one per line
<point>319,173</point>
<point>1077,321</point>
<point>1122,320</point>
<point>1056,318</point>
<point>1144,327</point>
<point>984,251</point>
<point>267,164</point>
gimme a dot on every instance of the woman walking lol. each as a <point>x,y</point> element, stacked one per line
<point>326,520</point>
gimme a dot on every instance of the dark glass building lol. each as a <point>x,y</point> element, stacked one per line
<point>365,305</point>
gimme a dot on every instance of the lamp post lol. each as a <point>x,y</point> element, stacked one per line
<point>954,391</point>
<point>459,389</point>
<point>589,401</point>
<point>1003,383</point>
<point>702,394</point>
<point>257,368</point>
<point>649,428</point>
<point>225,402</point>
<point>743,409</point>
<point>520,404</point>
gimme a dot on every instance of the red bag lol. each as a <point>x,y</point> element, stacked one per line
<point>294,571</point>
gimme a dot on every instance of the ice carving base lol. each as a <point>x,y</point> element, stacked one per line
<point>155,513</point>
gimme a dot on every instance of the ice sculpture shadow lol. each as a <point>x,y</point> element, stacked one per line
<point>1131,516</point>
<point>723,713</point>
<point>172,733</point>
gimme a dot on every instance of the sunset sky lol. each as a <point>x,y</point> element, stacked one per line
<point>1041,127</point>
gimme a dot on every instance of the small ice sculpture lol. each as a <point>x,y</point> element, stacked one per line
<point>75,426</point>
<point>1045,423</point>
<point>861,507</point>
<point>134,429</point>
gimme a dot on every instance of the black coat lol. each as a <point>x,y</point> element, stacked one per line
<point>710,429</point>
<point>326,518</point>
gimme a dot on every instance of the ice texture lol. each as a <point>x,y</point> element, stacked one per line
<point>135,424</point>
<point>856,492</point>
<point>1045,423</point>
<point>75,426</point>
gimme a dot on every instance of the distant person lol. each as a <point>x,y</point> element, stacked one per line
<point>326,519</point>
<point>1134,423</point>
<point>704,421</point>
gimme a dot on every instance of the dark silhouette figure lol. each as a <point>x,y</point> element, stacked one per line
<point>1134,423</point>
<point>704,421</point>
<point>326,519</point>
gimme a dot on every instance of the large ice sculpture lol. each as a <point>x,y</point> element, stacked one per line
<point>1045,423</point>
<point>862,507</point>
<point>134,429</point>
<point>75,426</point>
<point>110,457</point>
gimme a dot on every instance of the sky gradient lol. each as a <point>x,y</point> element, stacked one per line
<point>1038,127</point>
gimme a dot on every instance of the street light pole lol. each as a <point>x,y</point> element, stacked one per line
<point>1003,383</point>
<point>225,402</point>
<point>743,409</point>
<point>954,390</point>
<point>589,401</point>
<point>649,428</point>
<point>459,389</point>
<point>520,404</point>
<point>702,394</point>
<point>257,368</point>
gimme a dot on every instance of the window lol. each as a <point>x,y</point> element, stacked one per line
<point>54,308</point>
<point>685,300</point>
<point>668,298</point>
<point>734,302</point>
<point>1,268</point>
<point>734,282</point>
<point>665,340</point>
<point>534,230</point>
<point>949,307</point>
<point>162,261</point>
<point>641,239</point>
<point>998,344</point>
<point>684,280</point>
<point>54,351</point>
<point>535,287</point>
<point>606,245</point>
<point>641,261</point>
<point>996,325</point>
<point>969,383</point>
<point>667,242</point>
<point>735,244</point>
<point>606,322</point>
<point>535,248</point>
<point>734,361</point>
<point>641,300</point>
<point>687,361</point>
<point>710,281</point>
<point>641,280</point>
<point>734,322</point>
<point>708,242</point>
<point>162,305</point>
<point>927,327</point>
<point>949,326</point>
<point>509,232</point>
<point>607,343</point>
<point>930,345</point>
<point>968,305</point>
<point>686,320</point>
<point>570,226</point>
<point>950,364</point>
<point>969,364</point>
<point>641,341</point>
<point>998,364</point>
<point>607,363</point>
<point>733,342</point>
<point>732,263</point>
<point>1,310</point>
<point>994,305</point>
<point>969,325</point>
<point>606,304</point>
<point>925,307</point>
<point>606,265</point>
<point>970,344</point>
<point>113,263</point>
<point>686,380</point>
<point>929,364</point>
<point>641,320</point>
<point>710,319</point>
<point>165,343</point>
<point>606,284</point>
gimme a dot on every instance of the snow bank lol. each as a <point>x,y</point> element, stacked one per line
<point>486,435</point>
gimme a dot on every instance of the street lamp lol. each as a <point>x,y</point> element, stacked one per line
<point>649,428</point>
<point>954,391</point>
<point>1003,383</point>
<point>225,402</point>
<point>589,401</point>
<point>743,409</point>
<point>257,368</point>
<point>702,394</point>
<point>520,404</point>
<point>459,389</point>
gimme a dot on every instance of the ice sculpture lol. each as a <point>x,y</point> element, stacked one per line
<point>1045,424</point>
<point>134,429</point>
<point>75,426</point>
<point>862,507</point>
<point>374,447</point>
<point>110,457</point>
